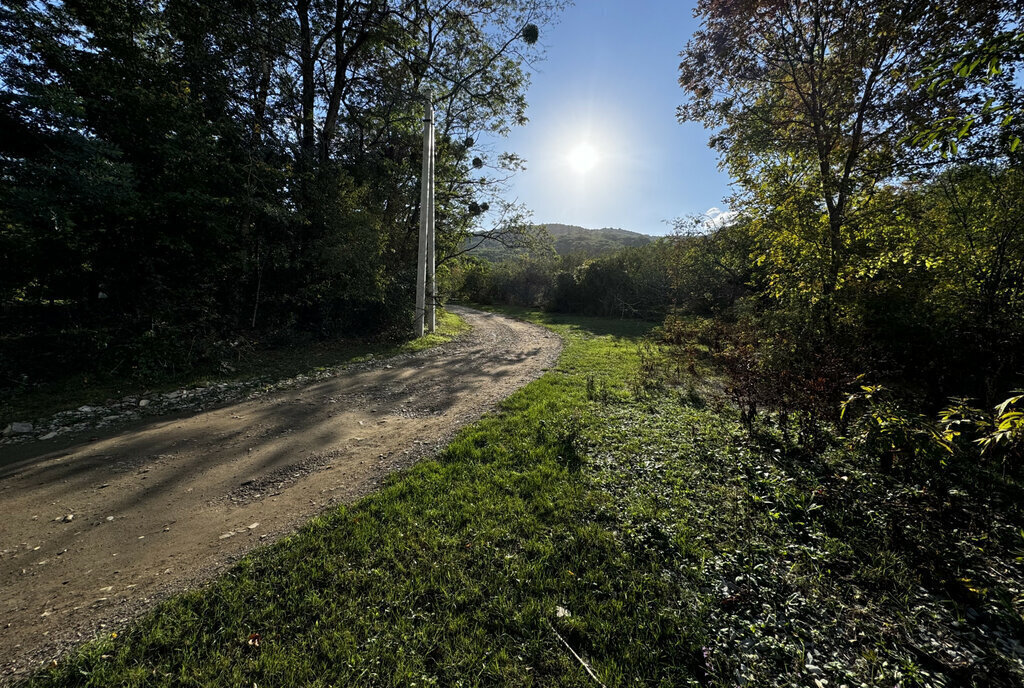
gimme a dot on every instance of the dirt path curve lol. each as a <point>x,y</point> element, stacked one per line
<point>93,533</point>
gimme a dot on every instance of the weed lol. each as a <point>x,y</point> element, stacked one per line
<point>598,390</point>
<point>649,377</point>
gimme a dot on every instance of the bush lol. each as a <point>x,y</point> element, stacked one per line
<point>631,283</point>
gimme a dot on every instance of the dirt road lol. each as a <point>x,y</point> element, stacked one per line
<point>93,533</point>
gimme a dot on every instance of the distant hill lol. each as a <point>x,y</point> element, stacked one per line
<point>593,242</point>
<point>570,239</point>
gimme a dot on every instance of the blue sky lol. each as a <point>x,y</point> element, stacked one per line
<point>609,82</point>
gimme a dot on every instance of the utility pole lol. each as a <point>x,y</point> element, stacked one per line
<point>426,281</point>
<point>431,314</point>
<point>425,254</point>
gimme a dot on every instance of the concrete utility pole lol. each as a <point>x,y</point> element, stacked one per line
<point>431,315</point>
<point>425,256</point>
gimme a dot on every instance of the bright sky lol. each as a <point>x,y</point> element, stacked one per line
<point>603,147</point>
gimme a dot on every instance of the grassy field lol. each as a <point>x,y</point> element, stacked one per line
<point>263,363</point>
<point>603,523</point>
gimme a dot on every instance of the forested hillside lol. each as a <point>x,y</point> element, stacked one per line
<point>565,240</point>
<point>570,239</point>
<point>181,177</point>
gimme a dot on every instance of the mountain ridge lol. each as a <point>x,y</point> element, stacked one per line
<point>571,239</point>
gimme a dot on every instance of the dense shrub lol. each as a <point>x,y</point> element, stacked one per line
<point>634,282</point>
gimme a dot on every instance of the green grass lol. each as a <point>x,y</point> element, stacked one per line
<point>449,326</point>
<point>685,549</point>
<point>267,364</point>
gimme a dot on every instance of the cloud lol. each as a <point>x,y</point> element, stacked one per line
<point>716,217</point>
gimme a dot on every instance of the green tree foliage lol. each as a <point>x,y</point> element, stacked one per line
<point>947,301</point>
<point>634,282</point>
<point>711,265</point>
<point>980,63</point>
<point>853,249</point>
<point>809,101</point>
<point>182,172</point>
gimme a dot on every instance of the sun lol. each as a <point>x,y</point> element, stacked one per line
<point>583,157</point>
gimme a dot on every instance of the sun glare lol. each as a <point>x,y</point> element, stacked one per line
<point>582,158</point>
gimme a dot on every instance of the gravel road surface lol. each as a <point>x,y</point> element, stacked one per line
<point>94,532</point>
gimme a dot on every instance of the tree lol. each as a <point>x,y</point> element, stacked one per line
<point>980,66</point>
<point>810,99</point>
<point>711,265</point>
<point>972,253</point>
<point>178,172</point>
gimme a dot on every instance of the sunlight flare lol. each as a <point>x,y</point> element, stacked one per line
<point>583,157</point>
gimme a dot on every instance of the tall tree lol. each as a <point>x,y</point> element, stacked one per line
<point>177,171</point>
<point>810,99</point>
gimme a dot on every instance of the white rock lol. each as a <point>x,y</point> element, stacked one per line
<point>85,409</point>
<point>49,436</point>
<point>143,402</point>
<point>20,428</point>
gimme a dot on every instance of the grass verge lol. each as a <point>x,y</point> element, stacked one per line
<point>664,543</point>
